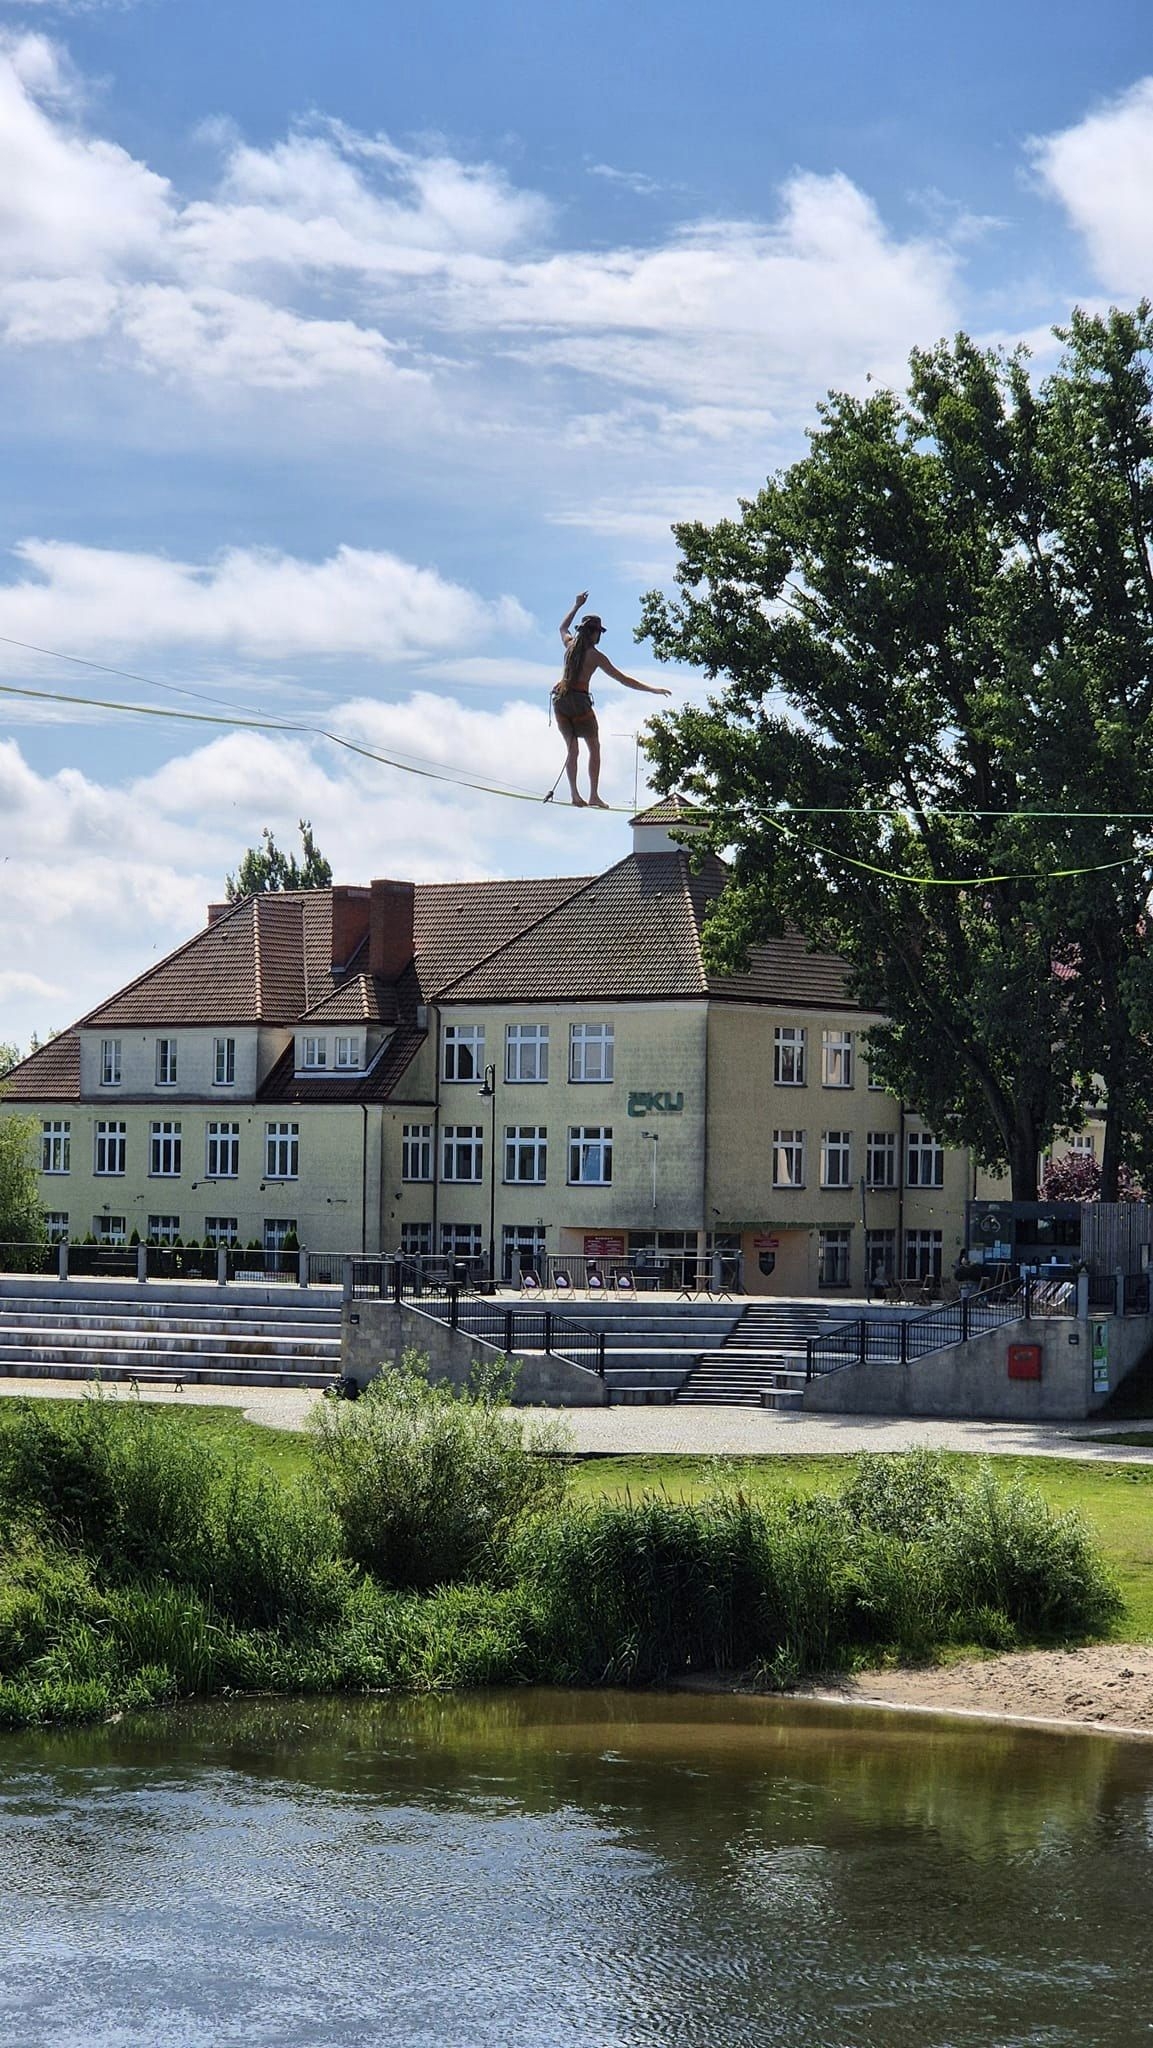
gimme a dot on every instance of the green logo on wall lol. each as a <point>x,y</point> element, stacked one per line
<point>664,1103</point>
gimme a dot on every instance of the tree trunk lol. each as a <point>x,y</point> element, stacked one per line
<point>1023,1161</point>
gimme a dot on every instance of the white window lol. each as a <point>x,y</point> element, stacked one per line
<point>462,1152</point>
<point>313,1053</point>
<point>163,1229</point>
<point>924,1161</point>
<point>57,1223</point>
<point>833,1255</point>
<point>110,1062</point>
<point>923,1254</point>
<point>281,1153</point>
<point>111,1148</point>
<point>463,1052</point>
<point>221,1151</point>
<point>56,1147</point>
<point>110,1229</point>
<point>836,1159</point>
<point>590,1155</point>
<point>880,1256</point>
<point>224,1062</point>
<point>525,1152</point>
<point>416,1239</point>
<point>526,1052</point>
<point>788,1159</point>
<point>789,1056</point>
<point>416,1152</point>
<point>166,1063</point>
<point>881,1159</point>
<point>1083,1143</point>
<point>522,1250</point>
<point>277,1230</point>
<point>836,1059</point>
<point>220,1230</point>
<point>876,1087</point>
<point>461,1240</point>
<point>591,1052</point>
<point>347,1050</point>
<point>164,1149</point>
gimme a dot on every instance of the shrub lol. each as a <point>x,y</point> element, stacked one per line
<point>1008,1551</point>
<point>428,1482</point>
<point>902,1493</point>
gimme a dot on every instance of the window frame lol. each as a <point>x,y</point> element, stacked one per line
<point>924,1147</point>
<point>789,1140</point>
<point>582,1038</point>
<point>109,1131</point>
<point>520,1039</point>
<point>881,1145</point>
<point>281,1140</point>
<point>837,1054</point>
<point>167,1062</point>
<point>583,1141</point>
<point>224,1056</point>
<point>418,1138</point>
<point>835,1242</point>
<point>460,1039</point>
<point>521,1142</point>
<point>111,1062</point>
<point>790,1039</point>
<point>222,1233</point>
<point>837,1144</point>
<point>165,1141</point>
<point>459,1143</point>
<point>56,1145</point>
<point>221,1135</point>
<point>347,1042</point>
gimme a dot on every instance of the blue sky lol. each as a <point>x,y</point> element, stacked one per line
<point>340,346</point>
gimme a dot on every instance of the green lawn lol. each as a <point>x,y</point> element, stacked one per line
<point>1117,1500</point>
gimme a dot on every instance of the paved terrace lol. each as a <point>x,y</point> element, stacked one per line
<point>697,1432</point>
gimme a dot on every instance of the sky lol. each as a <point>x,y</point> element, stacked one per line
<point>341,346</point>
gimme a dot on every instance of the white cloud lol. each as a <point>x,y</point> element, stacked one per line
<point>255,602</point>
<point>102,877</point>
<point>1101,170</point>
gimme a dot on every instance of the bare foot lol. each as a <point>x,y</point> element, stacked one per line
<point>579,802</point>
<point>598,803</point>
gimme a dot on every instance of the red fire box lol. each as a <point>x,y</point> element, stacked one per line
<point>1024,1361</point>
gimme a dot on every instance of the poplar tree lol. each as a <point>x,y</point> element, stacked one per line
<point>266,867</point>
<point>934,635</point>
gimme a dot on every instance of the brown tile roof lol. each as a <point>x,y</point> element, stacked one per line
<point>458,923</point>
<point>360,999</point>
<point>670,810</point>
<point>281,1084</point>
<point>51,1074</point>
<point>635,932</point>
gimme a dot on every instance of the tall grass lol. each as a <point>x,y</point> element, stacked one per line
<point>430,1548</point>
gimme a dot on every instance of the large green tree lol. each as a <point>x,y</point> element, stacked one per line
<point>21,1216</point>
<point>936,636</point>
<point>265,867</point>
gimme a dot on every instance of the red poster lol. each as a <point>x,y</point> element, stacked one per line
<point>605,1247</point>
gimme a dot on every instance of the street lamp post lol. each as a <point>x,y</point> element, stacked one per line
<point>487,1093</point>
<point>654,1138</point>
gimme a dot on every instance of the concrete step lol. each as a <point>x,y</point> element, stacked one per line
<point>23,1315</point>
<point>164,1337</point>
<point>92,1356</point>
<point>192,1374</point>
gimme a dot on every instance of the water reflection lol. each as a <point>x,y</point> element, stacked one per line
<point>553,1868</point>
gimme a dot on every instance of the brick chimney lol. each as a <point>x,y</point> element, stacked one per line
<point>350,908</point>
<point>218,910</point>
<point>390,939</point>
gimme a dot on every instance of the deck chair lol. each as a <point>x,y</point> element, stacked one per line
<point>594,1280</point>
<point>624,1281</point>
<point>529,1281</point>
<point>562,1281</point>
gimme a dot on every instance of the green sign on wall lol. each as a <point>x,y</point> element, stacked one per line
<point>662,1103</point>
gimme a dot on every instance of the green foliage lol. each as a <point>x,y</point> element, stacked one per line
<point>936,637</point>
<point>265,867</point>
<point>10,1056</point>
<point>21,1216</point>
<point>427,1483</point>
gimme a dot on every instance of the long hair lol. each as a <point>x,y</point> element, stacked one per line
<point>584,638</point>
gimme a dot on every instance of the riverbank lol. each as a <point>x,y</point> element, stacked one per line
<point>1108,1686</point>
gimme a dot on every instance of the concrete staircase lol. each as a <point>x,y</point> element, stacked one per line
<point>179,1332</point>
<point>650,1345</point>
<point>762,1361</point>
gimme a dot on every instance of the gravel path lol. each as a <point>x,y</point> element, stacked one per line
<point>690,1430</point>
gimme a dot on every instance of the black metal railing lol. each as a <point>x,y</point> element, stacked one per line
<point>901,1340</point>
<point>247,1263</point>
<point>508,1329</point>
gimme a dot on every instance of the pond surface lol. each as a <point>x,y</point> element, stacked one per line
<point>535,1869</point>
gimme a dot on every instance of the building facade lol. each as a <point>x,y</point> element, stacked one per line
<point>523,1068</point>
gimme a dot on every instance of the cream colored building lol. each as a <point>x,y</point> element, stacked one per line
<point>543,1062</point>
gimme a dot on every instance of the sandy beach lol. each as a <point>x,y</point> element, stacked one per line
<point>1107,1686</point>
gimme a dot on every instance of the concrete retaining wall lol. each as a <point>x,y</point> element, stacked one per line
<point>973,1379</point>
<point>377,1333</point>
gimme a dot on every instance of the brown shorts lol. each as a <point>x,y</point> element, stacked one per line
<point>574,714</point>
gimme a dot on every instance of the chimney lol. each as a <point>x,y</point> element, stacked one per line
<point>390,940</point>
<point>218,910</point>
<point>349,923</point>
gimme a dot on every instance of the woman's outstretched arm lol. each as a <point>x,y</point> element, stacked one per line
<point>630,682</point>
<point>566,622</point>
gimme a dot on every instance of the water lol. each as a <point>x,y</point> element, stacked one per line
<point>534,1870</point>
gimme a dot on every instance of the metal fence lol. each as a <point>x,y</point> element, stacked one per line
<point>513,1329</point>
<point>893,1340</point>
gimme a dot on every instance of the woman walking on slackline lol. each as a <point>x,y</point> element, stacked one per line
<point>573,705</point>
